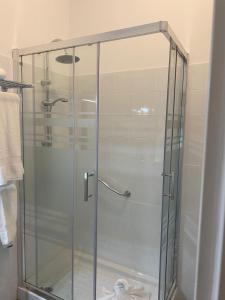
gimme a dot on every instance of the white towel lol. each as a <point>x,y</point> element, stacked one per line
<point>8,214</point>
<point>11,167</point>
<point>122,290</point>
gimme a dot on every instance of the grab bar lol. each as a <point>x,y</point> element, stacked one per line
<point>125,194</point>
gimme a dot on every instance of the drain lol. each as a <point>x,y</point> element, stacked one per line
<point>47,289</point>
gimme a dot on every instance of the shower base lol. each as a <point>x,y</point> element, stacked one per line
<point>108,273</point>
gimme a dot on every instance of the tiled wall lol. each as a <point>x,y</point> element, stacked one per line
<point>132,126</point>
<point>195,126</point>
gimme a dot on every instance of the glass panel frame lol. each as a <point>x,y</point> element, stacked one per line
<point>167,178</point>
<point>169,183</point>
<point>172,174</point>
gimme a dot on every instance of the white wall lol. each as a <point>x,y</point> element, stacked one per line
<point>212,248</point>
<point>185,17</point>
<point>29,22</point>
<point>196,110</point>
<point>41,21</point>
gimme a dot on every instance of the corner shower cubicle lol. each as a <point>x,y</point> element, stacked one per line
<point>102,132</point>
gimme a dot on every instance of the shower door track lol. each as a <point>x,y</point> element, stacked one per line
<point>30,292</point>
<point>27,293</point>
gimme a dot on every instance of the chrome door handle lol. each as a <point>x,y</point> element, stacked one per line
<point>86,177</point>
<point>171,195</point>
<point>172,185</point>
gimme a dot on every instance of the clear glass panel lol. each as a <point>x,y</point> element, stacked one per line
<point>60,146</point>
<point>175,168</point>
<point>49,173</point>
<point>133,92</point>
<point>85,156</point>
<point>171,184</point>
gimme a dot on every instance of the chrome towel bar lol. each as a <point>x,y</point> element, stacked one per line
<point>125,194</point>
<point>9,84</point>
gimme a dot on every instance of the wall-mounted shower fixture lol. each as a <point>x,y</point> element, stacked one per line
<point>47,105</point>
<point>65,58</point>
<point>45,83</point>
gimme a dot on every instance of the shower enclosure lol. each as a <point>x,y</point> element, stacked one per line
<point>102,133</point>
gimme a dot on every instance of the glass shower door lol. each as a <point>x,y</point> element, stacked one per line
<point>86,127</point>
<point>132,106</point>
<point>48,160</point>
<point>60,159</point>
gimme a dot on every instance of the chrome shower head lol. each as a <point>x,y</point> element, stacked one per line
<point>48,104</point>
<point>67,59</point>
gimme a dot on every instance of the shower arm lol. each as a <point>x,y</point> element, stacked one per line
<point>53,102</point>
<point>125,194</point>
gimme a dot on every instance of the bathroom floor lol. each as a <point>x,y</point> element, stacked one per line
<point>107,276</point>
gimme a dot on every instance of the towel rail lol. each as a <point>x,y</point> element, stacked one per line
<point>9,84</point>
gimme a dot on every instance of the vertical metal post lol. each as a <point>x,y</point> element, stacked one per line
<point>34,174</point>
<point>179,176</point>
<point>74,175</point>
<point>17,75</point>
<point>96,177</point>
<point>171,155</point>
<point>163,201</point>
